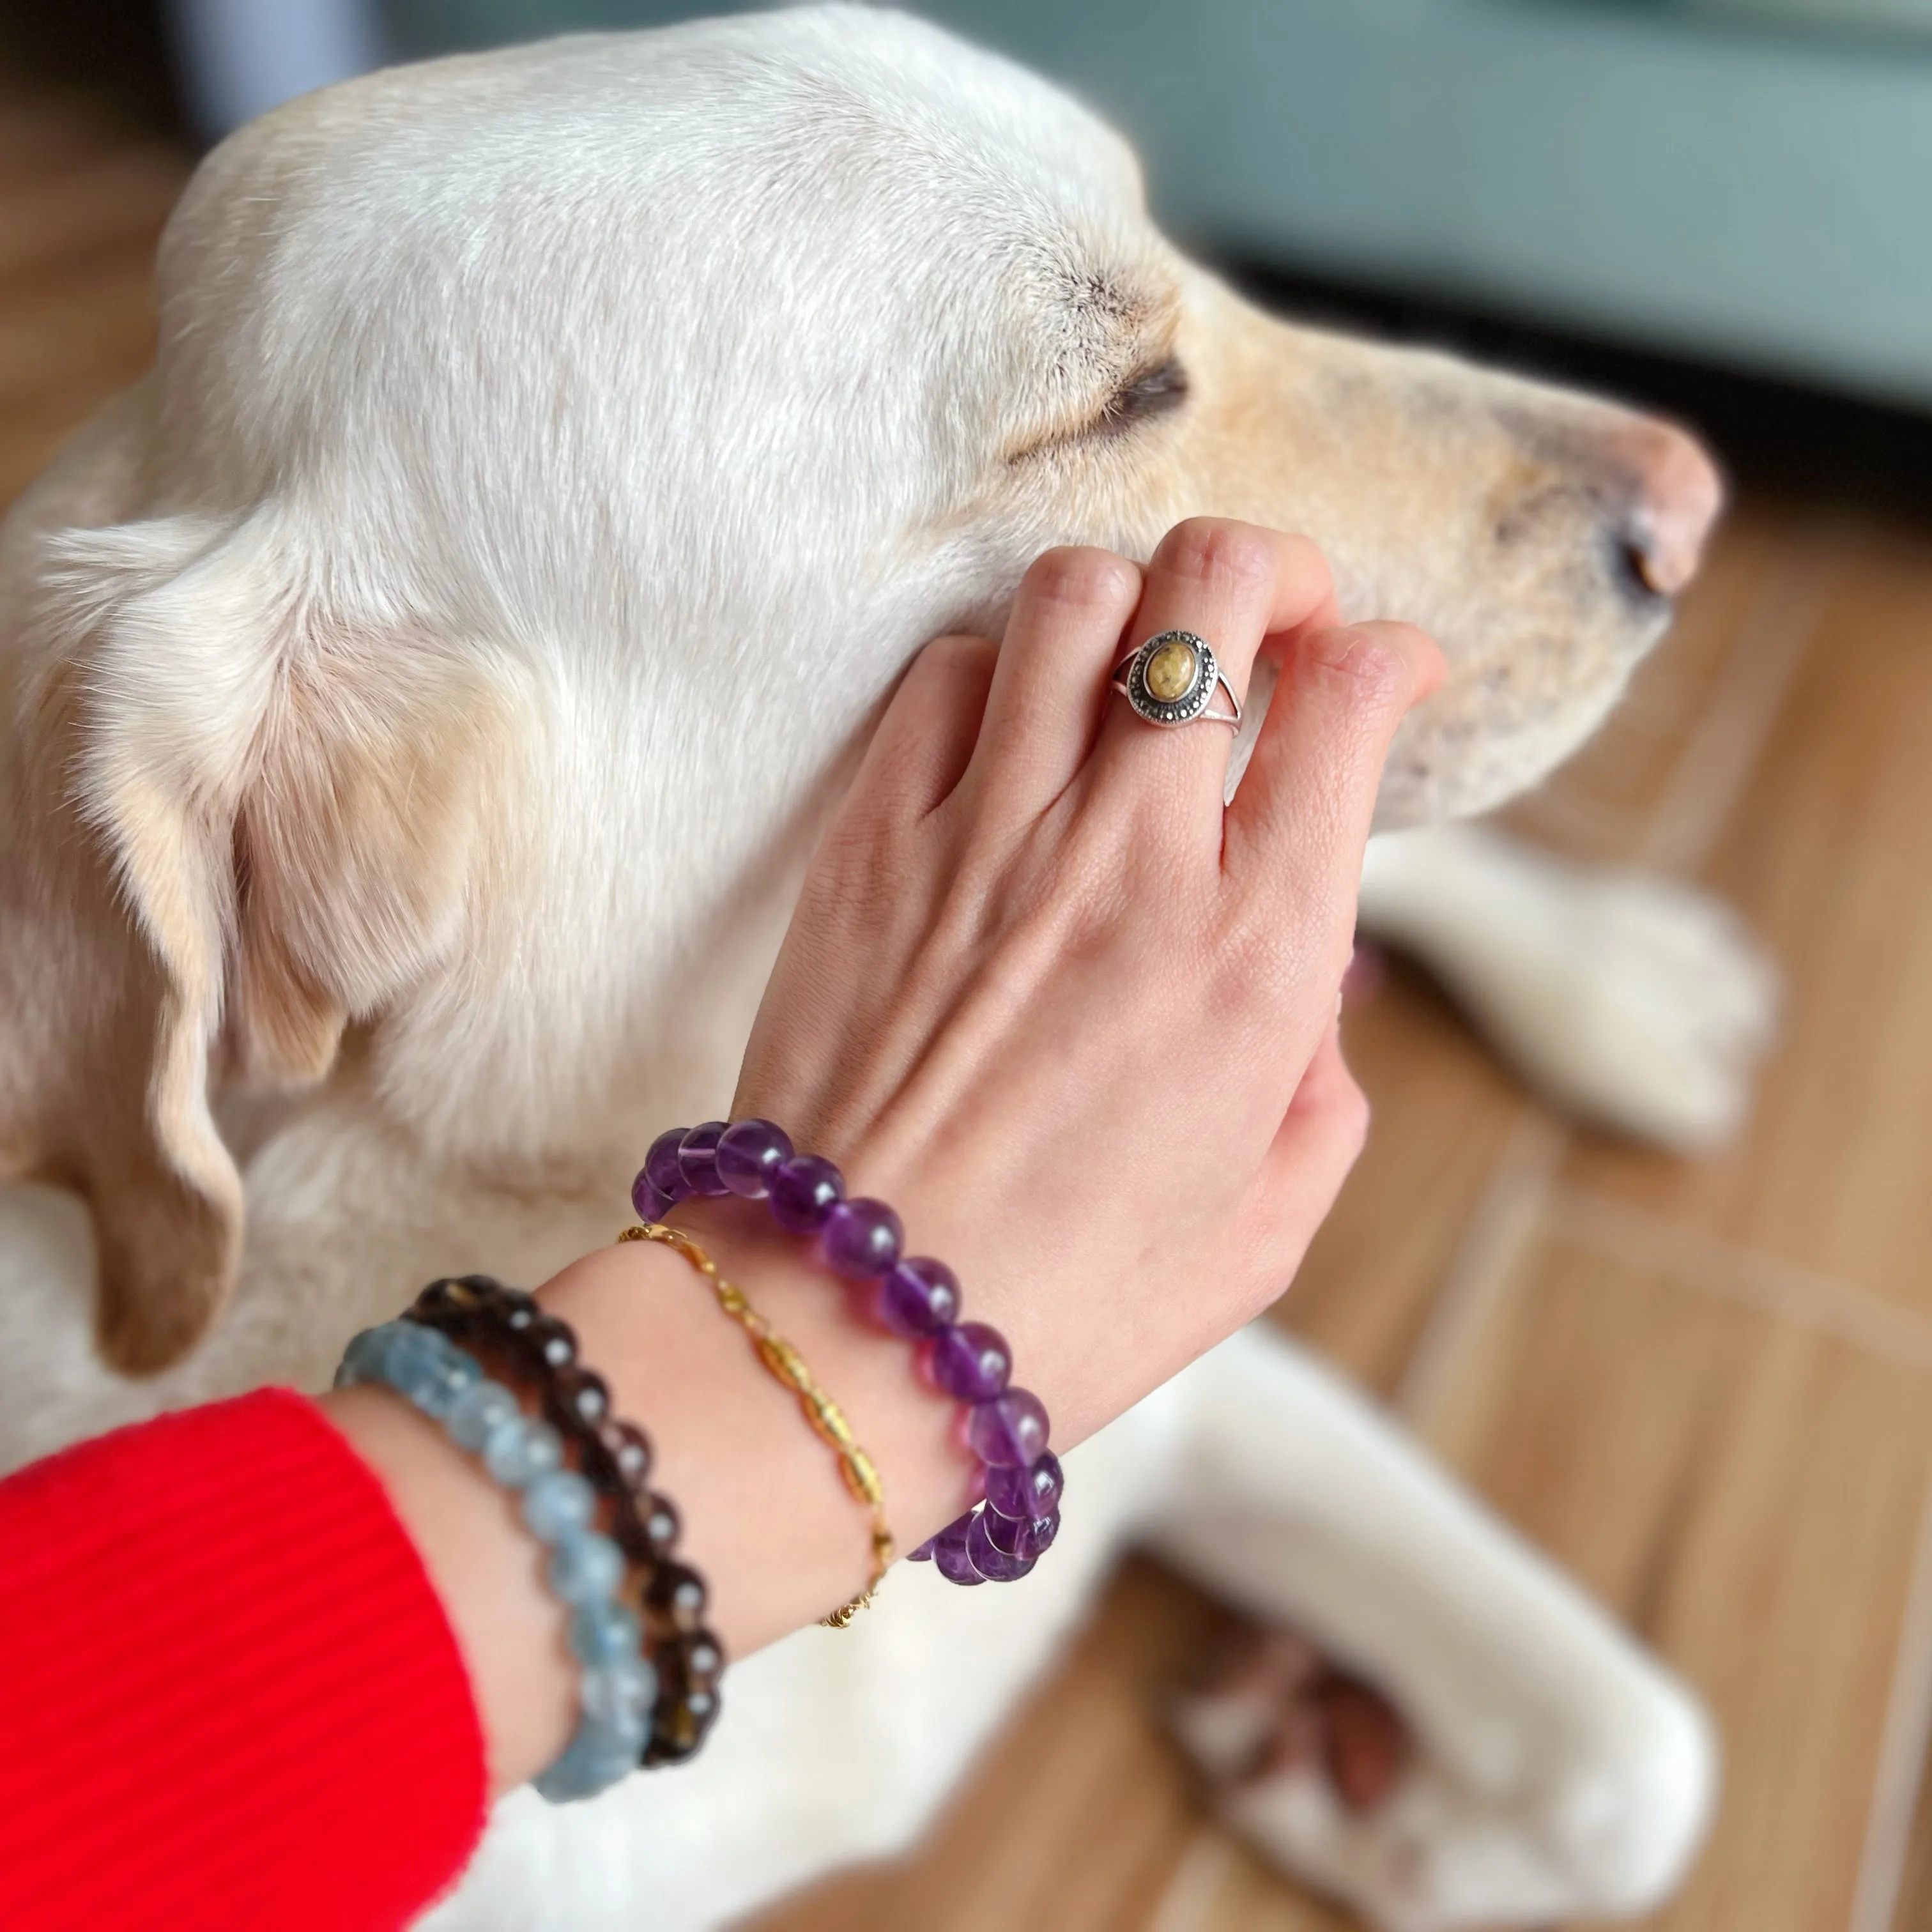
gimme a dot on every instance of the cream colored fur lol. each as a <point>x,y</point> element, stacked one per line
<point>420,692</point>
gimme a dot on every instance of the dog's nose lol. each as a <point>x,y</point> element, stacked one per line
<point>1677,495</point>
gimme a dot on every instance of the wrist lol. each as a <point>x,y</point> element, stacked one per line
<point>768,1517</point>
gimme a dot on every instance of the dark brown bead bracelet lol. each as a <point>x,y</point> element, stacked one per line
<point>536,1353</point>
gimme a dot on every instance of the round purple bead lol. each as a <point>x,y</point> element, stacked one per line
<point>697,1156</point>
<point>995,1565</point>
<point>861,1239</point>
<point>919,1298</point>
<point>1025,1539</point>
<point>661,1169</point>
<point>1010,1429</point>
<point>924,1553</point>
<point>748,1151</point>
<point>804,1190</point>
<point>1023,1493</point>
<point>949,1556</point>
<point>971,1362</point>
<point>650,1201</point>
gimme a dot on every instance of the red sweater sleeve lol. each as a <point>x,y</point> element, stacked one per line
<point>230,1697</point>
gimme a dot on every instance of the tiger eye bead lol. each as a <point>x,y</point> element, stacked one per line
<point>577,1399</point>
<point>619,1453</point>
<point>674,1598</point>
<point>646,1528</point>
<point>689,1668</point>
<point>703,1659</point>
<point>514,1305</point>
<point>548,1342</point>
<point>512,1309</point>
<point>677,1731</point>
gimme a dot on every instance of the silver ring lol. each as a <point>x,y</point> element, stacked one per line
<point>1173,679</point>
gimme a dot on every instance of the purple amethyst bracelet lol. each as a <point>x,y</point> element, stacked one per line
<point>913,1297</point>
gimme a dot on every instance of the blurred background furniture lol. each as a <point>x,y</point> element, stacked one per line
<point>1742,180</point>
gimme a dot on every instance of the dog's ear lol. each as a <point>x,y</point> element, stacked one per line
<point>250,824</point>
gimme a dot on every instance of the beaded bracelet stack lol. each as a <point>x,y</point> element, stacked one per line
<point>503,1378</point>
<point>470,1355</point>
<point>914,1297</point>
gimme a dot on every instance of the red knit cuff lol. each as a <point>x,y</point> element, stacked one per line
<point>229,1697</point>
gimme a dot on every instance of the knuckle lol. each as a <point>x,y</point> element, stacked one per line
<point>1080,578</point>
<point>1217,551</point>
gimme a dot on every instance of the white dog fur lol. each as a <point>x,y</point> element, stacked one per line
<point>422,689</point>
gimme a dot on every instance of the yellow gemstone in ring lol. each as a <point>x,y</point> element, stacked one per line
<point>1171,672</point>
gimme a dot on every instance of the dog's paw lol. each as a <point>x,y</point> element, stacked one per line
<point>1629,1000</point>
<point>1320,1774</point>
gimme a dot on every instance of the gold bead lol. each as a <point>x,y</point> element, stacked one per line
<point>1171,672</point>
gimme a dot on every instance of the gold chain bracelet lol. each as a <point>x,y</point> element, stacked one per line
<point>787,1367</point>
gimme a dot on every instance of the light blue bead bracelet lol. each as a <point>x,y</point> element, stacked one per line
<point>618,1688</point>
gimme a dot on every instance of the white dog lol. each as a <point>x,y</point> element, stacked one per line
<point>421,691</point>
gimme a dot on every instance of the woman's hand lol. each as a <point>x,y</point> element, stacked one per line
<point>1074,1020</point>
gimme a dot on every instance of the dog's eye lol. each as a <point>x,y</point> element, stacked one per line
<point>1153,392</point>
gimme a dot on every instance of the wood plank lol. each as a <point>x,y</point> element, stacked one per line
<point>1746,1492</point>
<point>1828,856</point>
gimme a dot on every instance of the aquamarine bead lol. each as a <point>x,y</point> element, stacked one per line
<point>417,1369</point>
<point>480,1409</point>
<point>455,1372</point>
<point>602,1632</point>
<point>362,1360</point>
<point>620,1694</point>
<point>522,1449</point>
<point>557,1504</point>
<point>622,1738</point>
<point>594,1758</point>
<point>585,1568</point>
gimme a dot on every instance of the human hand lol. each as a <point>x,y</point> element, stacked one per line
<point>1074,1020</point>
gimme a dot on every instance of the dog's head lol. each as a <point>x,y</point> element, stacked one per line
<point>552,459</point>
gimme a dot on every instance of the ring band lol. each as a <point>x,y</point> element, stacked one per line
<point>1172,679</point>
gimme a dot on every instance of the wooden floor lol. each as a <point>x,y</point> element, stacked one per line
<point>1706,1387</point>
